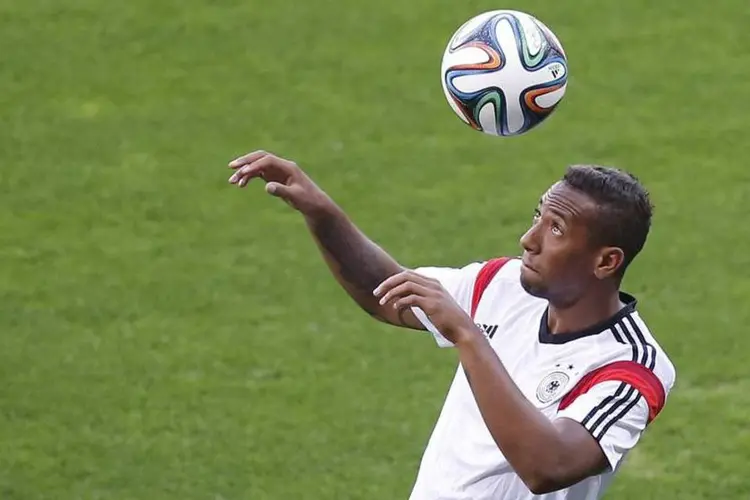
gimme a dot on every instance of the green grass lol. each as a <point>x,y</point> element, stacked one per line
<point>165,336</point>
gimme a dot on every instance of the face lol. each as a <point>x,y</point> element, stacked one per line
<point>560,262</point>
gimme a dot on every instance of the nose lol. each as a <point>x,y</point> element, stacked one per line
<point>530,241</point>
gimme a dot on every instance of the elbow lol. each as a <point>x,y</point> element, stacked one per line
<point>546,478</point>
<point>542,484</point>
<point>378,315</point>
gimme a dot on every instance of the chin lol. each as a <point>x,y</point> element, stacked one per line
<point>533,287</point>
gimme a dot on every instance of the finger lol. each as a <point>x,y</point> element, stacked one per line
<point>425,280</point>
<point>248,158</point>
<point>237,177</point>
<point>406,288</point>
<point>242,180</point>
<point>412,301</point>
<point>269,164</point>
<point>390,282</point>
<point>403,276</point>
<point>255,169</point>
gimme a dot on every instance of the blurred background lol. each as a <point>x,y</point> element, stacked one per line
<point>166,336</point>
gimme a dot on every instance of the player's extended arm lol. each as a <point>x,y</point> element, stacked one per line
<point>357,263</point>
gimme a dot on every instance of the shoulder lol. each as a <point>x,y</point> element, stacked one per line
<point>630,355</point>
<point>472,282</point>
<point>497,285</point>
<point>654,356</point>
<point>480,275</point>
<point>469,270</point>
<point>633,338</point>
<point>500,279</point>
<point>464,282</point>
<point>627,337</point>
<point>503,268</point>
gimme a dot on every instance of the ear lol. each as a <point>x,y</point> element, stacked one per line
<point>608,261</point>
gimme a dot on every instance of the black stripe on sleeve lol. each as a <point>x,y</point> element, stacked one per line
<point>616,418</point>
<point>607,414</point>
<point>604,402</point>
<point>633,327</point>
<point>639,354</point>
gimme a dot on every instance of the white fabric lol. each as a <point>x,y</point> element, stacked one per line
<point>622,435</point>
<point>459,283</point>
<point>461,459</point>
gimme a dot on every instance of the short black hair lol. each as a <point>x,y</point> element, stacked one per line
<point>624,212</point>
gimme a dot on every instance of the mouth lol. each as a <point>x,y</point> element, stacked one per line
<point>525,264</point>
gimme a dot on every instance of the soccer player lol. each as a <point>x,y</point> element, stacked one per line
<point>559,375</point>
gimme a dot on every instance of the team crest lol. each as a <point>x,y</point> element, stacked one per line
<point>551,386</point>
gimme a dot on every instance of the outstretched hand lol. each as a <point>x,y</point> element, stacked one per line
<point>284,179</point>
<point>410,289</point>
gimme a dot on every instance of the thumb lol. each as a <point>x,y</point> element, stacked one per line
<point>277,189</point>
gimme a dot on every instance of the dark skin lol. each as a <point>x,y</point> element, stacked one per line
<point>561,264</point>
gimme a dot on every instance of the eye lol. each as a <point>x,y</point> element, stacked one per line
<point>537,215</point>
<point>557,229</point>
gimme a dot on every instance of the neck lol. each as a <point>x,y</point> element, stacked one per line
<point>587,311</point>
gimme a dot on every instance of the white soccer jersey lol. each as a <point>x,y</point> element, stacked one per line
<point>613,378</point>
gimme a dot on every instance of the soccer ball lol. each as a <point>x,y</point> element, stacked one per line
<point>504,72</point>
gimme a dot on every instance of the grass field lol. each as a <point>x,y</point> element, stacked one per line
<point>165,336</point>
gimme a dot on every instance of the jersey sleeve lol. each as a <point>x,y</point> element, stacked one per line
<point>615,405</point>
<point>458,282</point>
<point>615,414</point>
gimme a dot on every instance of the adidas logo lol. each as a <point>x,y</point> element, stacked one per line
<point>488,330</point>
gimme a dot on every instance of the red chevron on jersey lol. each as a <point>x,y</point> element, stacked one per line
<point>629,372</point>
<point>484,278</point>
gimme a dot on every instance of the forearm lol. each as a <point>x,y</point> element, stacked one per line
<point>529,441</point>
<point>357,263</point>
